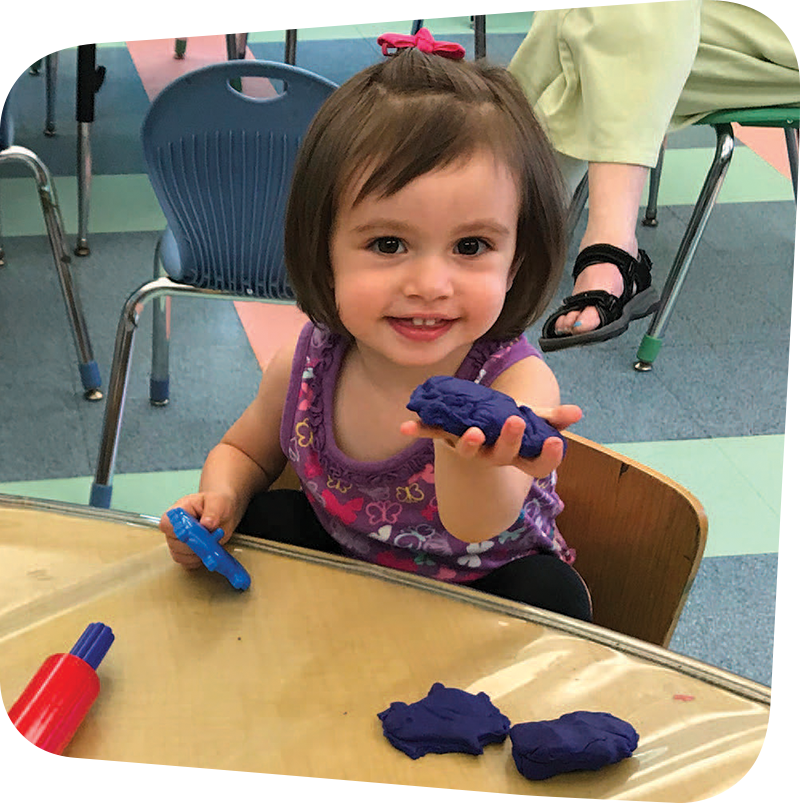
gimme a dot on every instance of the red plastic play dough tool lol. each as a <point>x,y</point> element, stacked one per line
<point>60,694</point>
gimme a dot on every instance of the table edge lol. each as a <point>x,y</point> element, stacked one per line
<point>715,676</point>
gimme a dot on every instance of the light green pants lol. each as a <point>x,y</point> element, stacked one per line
<point>608,83</point>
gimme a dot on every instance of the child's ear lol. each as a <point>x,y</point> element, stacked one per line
<point>512,273</point>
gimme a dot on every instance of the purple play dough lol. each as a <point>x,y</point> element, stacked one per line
<point>455,405</point>
<point>582,740</point>
<point>446,721</point>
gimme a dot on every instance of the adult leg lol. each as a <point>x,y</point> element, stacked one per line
<point>615,191</point>
<point>544,581</point>
<point>286,516</point>
<point>743,59</point>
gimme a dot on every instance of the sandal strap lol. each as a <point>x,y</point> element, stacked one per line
<point>636,273</point>
<point>608,308</point>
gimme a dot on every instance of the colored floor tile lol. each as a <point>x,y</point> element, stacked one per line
<point>737,480</point>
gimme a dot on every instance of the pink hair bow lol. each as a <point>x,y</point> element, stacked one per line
<point>422,41</point>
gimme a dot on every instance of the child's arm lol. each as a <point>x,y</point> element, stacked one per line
<point>247,460</point>
<point>495,479</point>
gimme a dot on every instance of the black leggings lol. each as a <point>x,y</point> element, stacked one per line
<point>286,516</point>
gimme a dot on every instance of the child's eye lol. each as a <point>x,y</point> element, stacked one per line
<point>387,245</point>
<point>471,246</point>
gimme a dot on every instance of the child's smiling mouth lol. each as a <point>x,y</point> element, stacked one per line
<point>421,328</point>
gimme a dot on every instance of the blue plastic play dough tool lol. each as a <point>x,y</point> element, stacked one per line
<point>205,545</point>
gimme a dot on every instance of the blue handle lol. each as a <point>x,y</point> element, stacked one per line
<point>93,644</point>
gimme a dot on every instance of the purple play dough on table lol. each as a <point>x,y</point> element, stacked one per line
<point>455,405</point>
<point>446,721</point>
<point>582,740</point>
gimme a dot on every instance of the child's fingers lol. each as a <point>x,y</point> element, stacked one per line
<point>416,429</point>
<point>210,511</point>
<point>191,504</point>
<point>506,447</point>
<point>561,417</point>
<point>470,443</point>
<point>182,553</point>
<point>548,460</point>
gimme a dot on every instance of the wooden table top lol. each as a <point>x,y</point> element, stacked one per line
<point>288,676</point>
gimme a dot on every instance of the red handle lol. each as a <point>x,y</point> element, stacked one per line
<point>55,702</point>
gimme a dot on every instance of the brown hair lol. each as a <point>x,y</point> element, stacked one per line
<point>400,119</point>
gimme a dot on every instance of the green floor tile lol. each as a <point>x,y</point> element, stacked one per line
<point>150,494</point>
<point>117,204</point>
<point>742,516</point>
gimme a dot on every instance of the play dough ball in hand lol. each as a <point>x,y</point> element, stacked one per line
<point>455,405</point>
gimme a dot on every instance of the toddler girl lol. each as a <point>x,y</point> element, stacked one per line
<point>424,234</point>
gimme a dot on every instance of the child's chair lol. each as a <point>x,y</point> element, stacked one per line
<point>639,538</point>
<point>785,117</point>
<point>89,372</point>
<point>220,163</point>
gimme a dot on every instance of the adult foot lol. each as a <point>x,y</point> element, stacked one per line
<point>601,276</point>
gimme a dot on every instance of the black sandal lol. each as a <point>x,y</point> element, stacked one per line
<point>638,298</point>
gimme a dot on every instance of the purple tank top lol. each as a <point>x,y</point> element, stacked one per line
<point>385,512</point>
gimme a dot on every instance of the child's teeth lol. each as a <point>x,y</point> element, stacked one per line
<point>423,321</point>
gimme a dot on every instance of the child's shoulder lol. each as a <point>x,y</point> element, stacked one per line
<point>529,381</point>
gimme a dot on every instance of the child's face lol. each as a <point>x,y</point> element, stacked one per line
<point>422,274</point>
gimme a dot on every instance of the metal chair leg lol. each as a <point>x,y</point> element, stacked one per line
<point>236,45</point>
<point>159,367</point>
<point>51,74</point>
<point>89,372</point>
<point>579,198</point>
<point>90,79</point>
<point>2,250</point>
<point>84,159</point>
<point>651,342</point>
<point>792,138</point>
<point>290,47</point>
<point>480,36</point>
<point>100,495</point>
<point>650,215</point>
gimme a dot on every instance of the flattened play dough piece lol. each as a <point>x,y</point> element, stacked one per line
<point>582,740</point>
<point>448,720</point>
<point>455,405</point>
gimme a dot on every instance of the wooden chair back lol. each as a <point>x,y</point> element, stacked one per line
<point>639,538</point>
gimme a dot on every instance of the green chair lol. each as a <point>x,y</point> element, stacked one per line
<point>787,118</point>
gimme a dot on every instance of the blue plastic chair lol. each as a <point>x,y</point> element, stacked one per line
<point>220,163</point>
<point>89,372</point>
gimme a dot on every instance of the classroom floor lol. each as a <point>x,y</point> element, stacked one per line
<point>711,414</point>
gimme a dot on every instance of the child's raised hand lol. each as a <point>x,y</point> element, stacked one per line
<point>212,510</point>
<point>505,450</point>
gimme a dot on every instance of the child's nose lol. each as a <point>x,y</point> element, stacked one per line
<point>429,277</point>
